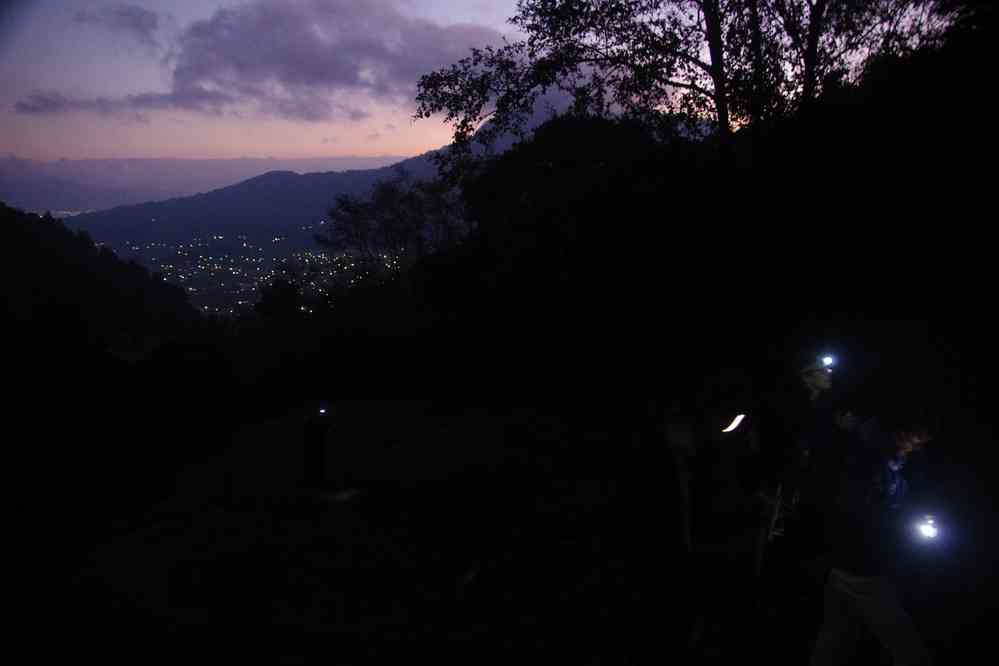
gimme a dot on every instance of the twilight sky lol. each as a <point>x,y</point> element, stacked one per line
<point>228,78</point>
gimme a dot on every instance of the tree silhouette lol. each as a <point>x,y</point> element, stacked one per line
<point>400,218</point>
<point>731,62</point>
<point>280,300</point>
<point>117,303</point>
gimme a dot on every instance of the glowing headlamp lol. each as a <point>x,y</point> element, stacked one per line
<point>928,528</point>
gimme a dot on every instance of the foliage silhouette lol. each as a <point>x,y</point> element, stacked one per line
<point>732,62</point>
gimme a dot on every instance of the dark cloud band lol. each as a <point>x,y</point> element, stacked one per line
<point>306,60</point>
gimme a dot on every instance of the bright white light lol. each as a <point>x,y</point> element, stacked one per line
<point>828,361</point>
<point>735,423</point>
<point>322,410</point>
<point>928,528</point>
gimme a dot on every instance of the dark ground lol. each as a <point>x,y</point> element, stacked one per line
<point>527,551</point>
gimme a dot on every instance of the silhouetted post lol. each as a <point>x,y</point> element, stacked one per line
<point>316,426</point>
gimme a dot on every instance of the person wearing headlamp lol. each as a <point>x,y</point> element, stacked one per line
<point>864,491</point>
<point>812,430</point>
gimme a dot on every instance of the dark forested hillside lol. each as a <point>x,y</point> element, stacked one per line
<point>90,296</point>
<point>109,369</point>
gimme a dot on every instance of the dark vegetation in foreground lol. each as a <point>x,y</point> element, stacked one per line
<point>603,268</point>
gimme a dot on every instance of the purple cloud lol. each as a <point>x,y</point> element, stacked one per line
<point>135,22</point>
<point>305,60</point>
<point>40,103</point>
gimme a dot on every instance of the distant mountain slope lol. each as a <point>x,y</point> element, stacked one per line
<point>278,202</point>
<point>275,203</point>
<point>104,183</point>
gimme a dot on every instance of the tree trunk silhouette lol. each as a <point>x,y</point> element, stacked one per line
<point>712,22</point>
<point>816,21</point>
<point>756,102</point>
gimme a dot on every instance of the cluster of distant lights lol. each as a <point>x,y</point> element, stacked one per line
<point>243,274</point>
<point>246,273</point>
